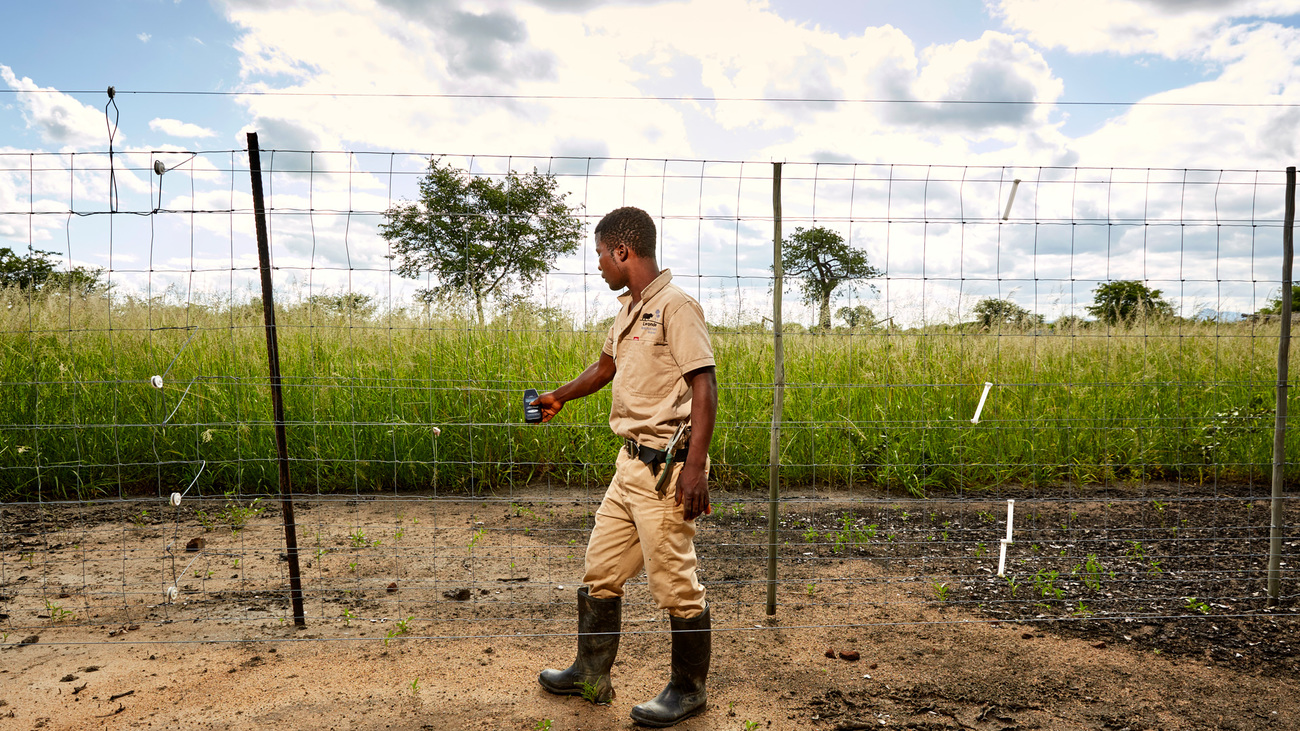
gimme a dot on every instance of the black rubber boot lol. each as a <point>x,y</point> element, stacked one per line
<point>685,695</point>
<point>599,624</point>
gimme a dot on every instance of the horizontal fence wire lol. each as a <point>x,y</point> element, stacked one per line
<point>137,457</point>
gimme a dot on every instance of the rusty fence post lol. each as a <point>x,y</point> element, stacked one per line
<point>1275,527</point>
<point>277,397</point>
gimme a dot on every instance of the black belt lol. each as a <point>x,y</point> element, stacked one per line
<point>653,458</point>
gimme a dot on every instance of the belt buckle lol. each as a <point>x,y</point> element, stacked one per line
<point>633,449</point>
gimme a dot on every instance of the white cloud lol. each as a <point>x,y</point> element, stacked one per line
<point>729,48</point>
<point>144,37</point>
<point>994,67</point>
<point>1261,66</point>
<point>58,118</point>
<point>177,128</point>
<point>1171,28</point>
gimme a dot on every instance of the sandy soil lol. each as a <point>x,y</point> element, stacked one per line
<point>438,614</point>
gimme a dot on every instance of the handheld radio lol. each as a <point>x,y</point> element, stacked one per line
<point>532,414</point>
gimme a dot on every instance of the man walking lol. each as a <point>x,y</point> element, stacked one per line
<point>665,402</point>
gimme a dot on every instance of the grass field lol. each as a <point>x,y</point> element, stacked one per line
<point>1174,400</point>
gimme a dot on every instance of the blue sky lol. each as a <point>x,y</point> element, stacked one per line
<point>1245,52</point>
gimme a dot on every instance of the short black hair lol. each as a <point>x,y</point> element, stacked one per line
<point>631,227</point>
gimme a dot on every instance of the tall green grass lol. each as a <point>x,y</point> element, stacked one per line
<point>1180,401</point>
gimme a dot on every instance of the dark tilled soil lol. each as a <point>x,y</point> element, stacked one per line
<point>1176,574</point>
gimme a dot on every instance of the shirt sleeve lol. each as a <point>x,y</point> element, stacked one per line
<point>688,337</point>
<point>608,349</point>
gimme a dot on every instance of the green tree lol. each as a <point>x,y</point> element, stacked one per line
<point>36,272</point>
<point>824,261</point>
<point>857,316</point>
<point>1126,301</point>
<point>1066,323</point>
<point>347,304</point>
<point>479,236</point>
<point>992,312</point>
<point>1274,306</point>
<point>25,272</point>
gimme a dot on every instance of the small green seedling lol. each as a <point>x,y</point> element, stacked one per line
<point>57,613</point>
<point>943,591</point>
<point>403,627</point>
<point>591,692</point>
<point>415,686</point>
<point>751,725</point>
<point>543,725</point>
<point>1045,583</point>
<point>234,515</point>
<point>475,537</point>
<point>1091,572</point>
<point>1197,605</point>
<point>348,616</point>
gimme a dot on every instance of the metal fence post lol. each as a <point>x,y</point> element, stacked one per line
<point>778,397</point>
<point>277,398</point>
<point>1279,423</point>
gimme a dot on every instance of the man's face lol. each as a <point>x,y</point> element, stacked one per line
<point>612,265</point>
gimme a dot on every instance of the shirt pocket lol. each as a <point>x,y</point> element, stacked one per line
<point>651,369</point>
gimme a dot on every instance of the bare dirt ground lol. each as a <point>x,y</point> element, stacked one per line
<point>1120,612</point>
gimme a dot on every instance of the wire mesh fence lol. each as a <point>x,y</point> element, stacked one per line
<point>1099,346</point>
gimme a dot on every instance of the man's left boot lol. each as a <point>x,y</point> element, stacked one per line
<point>685,695</point>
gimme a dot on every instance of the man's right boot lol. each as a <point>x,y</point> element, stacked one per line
<point>685,694</point>
<point>599,624</point>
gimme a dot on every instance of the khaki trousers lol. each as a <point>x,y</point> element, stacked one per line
<point>636,528</point>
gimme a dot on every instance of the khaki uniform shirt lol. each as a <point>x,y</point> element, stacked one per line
<point>654,343</point>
